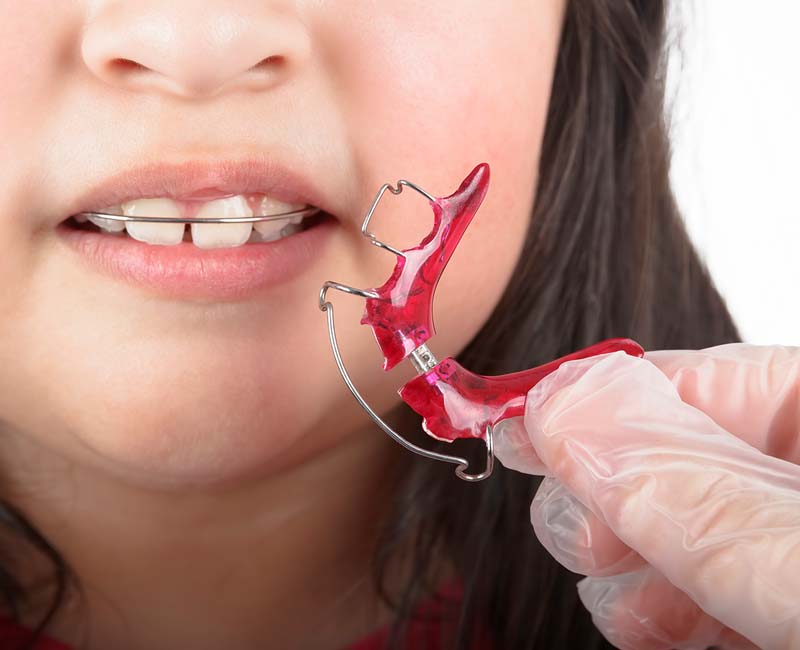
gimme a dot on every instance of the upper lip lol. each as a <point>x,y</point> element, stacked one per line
<point>209,178</point>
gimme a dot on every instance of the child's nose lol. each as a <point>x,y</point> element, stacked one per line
<point>194,49</point>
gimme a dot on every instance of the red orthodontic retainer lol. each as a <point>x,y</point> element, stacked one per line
<point>453,402</point>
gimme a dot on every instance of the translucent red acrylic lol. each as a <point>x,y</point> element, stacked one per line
<point>453,401</point>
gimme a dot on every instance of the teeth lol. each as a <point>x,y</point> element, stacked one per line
<point>166,234</point>
<point>206,236</point>
<point>222,235</point>
<point>269,230</point>
<point>109,225</point>
<point>277,228</point>
<point>269,206</point>
<point>290,229</point>
<point>272,230</point>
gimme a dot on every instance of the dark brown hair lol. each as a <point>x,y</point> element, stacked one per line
<point>606,255</point>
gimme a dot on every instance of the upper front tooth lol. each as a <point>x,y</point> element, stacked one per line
<point>219,235</point>
<point>153,232</point>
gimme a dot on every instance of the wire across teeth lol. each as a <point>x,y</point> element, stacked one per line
<point>214,224</point>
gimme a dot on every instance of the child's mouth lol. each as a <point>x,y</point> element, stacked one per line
<point>202,235</point>
<point>216,261</point>
<point>182,257</point>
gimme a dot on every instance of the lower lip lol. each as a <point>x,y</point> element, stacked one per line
<point>185,271</point>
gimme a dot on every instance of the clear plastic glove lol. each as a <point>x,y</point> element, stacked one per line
<point>673,482</point>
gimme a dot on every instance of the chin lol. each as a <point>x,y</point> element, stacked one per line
<point>173,407</point>
<point>184,403</point>
<point>173,424</point>
<point>178,444</point>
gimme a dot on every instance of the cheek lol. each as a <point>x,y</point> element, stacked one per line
<point>34,80</point>
<point>430,104</point>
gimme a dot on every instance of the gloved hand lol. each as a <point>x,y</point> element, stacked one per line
<point>673,482</point>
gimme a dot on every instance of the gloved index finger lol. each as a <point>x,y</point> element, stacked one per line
<point>752,391</point>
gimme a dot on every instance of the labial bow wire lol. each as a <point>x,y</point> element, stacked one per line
<point>453,402</point>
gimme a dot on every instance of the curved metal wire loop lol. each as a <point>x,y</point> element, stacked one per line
<point>394,190</point>
<point>462,463</point>
<point>305,212</point>
<point>342,287</point>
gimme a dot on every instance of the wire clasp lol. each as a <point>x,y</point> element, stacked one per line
<point>421,356</point>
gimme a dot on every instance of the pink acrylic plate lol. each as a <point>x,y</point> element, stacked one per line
<point>454,402</point>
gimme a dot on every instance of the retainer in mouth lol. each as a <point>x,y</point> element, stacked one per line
<point>221,223</point>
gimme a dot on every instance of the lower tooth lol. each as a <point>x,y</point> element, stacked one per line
<point>290,229</point>
<point>269,230</point>
<point>271,233</point>
<point>258,237</point>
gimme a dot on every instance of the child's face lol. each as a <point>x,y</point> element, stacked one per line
<point>211,386</point>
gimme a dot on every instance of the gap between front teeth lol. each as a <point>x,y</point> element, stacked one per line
<point>206,236</point>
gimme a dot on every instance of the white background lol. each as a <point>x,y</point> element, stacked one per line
<point>734,83</point>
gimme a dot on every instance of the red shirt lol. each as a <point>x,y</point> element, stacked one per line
<point>424,630</point>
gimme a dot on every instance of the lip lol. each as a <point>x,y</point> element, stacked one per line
<point>193,179</point>
<point>184,271</point>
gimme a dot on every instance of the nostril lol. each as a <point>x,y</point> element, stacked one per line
<point>126,65</point>
<point>276,60</point>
